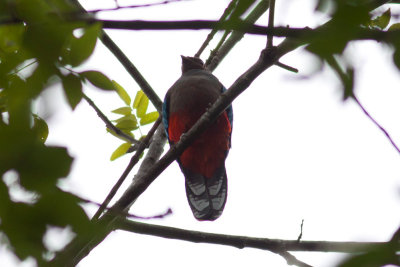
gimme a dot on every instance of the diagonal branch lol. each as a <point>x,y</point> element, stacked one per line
<point>348,91</point>
<point>385,132</point>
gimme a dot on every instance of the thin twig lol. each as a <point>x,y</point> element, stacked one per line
<point>270,37</point>
<point>301,231</point>
<point>118,7</point>
<point>236,36</point>
<point>240,242</point>
<point>375,122</point>
<point>286,67</point>
<point>108,123</point>
<point>271,23</point>
<point>226,13</point>
<point>349,92</point>
<point>135,158</point>
<point>214,51</point>
<point>126,214</point>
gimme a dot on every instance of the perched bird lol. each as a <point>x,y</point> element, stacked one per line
<point>203,162</point>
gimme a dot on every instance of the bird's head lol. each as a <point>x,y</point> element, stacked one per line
<point>191,63</point>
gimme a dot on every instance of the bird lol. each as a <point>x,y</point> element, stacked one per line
<point>203,162</point>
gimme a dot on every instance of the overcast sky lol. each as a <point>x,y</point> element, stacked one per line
<point>298,151</point>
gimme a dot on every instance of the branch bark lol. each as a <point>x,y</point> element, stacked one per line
<point>240,242</point>
<point>242,26</point>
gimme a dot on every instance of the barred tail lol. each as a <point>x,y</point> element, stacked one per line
<point>206,196</point>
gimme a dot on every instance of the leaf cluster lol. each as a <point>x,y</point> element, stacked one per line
<point>129,122</point>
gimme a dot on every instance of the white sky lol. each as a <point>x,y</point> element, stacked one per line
<point>298,152</point>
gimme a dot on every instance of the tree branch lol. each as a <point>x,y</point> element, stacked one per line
<point>126,214</point>
<point>305,33</point>
<point>271,23</point>
<point>240,242</point>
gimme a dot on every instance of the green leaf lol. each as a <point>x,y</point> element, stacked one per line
<point>382,21</point>
<point>81,48</point>
<point>120,151</point>
<point>46,36</point>
<point>62,209</point>
<point>73,89</point>
<point>130,117</point>
<point>138,97</point>
<point>11,37</point>
<point>241,7</point>
<point>384,255</point>
<point>24,228</point>
<point>140,103</point>
<point>40,128</point>
<point>122,110</point>
<point>46,165</point>
<point>127,125</point>
<point>142,106</point>
<point>122,93</point>
<point>395,26</point>
<point>98,79</point>
<point>149,118</point>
